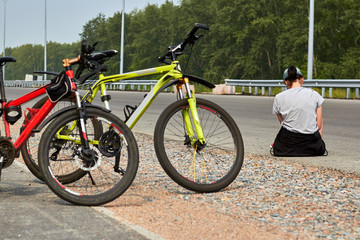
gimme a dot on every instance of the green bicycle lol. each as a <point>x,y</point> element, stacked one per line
<point>197,142</point>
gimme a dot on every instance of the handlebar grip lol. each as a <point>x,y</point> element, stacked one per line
<point>197,26</point>
<point>200,25</point>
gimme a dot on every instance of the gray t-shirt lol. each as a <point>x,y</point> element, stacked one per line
<point>297,107</point>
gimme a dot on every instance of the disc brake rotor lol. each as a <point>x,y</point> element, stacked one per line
<point>88,163</point>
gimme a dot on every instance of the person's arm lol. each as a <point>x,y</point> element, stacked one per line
<point>319,119</point>
<point>276,110</point>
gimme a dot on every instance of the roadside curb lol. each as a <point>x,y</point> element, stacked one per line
<point>137,228</point>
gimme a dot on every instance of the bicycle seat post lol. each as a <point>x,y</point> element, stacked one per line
<point>2,88</point>
<point>3,61</point>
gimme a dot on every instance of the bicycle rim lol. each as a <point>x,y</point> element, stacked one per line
<point>209,169</point>
<point>110,168</point>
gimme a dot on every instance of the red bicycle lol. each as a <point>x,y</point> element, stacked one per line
<point>102,151</point>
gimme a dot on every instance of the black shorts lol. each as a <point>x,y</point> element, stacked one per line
<point>293,144</point>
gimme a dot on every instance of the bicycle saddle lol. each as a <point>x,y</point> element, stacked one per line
<point>4,60</point>
<point>103,56</point>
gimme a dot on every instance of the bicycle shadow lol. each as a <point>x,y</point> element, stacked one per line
<point>13,189</point>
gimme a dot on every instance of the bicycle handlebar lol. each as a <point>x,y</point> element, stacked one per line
<point>89,60</point>
<point>190,38</point>
<point>85,60</point>
<point>68,62</point>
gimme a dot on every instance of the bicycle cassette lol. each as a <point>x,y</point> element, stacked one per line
<point>110,143</point>
<point>7,152</point>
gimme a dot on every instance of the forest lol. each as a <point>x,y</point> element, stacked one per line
<point>247,39</point>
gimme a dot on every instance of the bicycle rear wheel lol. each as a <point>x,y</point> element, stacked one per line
<point>209,169</point>
<point>109,168</point>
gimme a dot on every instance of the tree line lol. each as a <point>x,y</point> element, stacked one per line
<point>247,39</point>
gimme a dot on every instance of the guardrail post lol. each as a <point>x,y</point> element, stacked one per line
<point>256,91</point>
<point>357,92</point>
<point>262,90</point>
<point>250,90</point>
<point>330,92</point>
<point>269,91</point>
<point>347,92</point>
<point>323,92</point>
<point>242,90</point>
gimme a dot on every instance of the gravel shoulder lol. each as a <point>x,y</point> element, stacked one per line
<point>271,198</point>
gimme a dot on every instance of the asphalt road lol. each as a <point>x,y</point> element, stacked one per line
<point>257,124</point>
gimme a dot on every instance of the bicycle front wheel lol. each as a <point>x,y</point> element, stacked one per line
<point>207,168</point>
<point>109,167</point>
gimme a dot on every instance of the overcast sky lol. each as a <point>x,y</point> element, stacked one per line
<point>25,19</point>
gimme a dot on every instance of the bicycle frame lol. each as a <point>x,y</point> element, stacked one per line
<point>37,117</point>
<point>171,73</point>
<point>33,123</point>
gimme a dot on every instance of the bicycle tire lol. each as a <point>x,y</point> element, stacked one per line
<point>102,183</point>
<point>30,150</point>
<point>214,167</point>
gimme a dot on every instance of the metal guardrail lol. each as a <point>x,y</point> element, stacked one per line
<point>143,85</point>
<point>25,84</point>
<point>121,85</point>
<point>317,83</point>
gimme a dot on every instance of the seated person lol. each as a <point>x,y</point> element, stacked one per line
<point>299,111</point>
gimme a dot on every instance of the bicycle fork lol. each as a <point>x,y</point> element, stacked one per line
<point>82,115</point>
<point>200,142</point>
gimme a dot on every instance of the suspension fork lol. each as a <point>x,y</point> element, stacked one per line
<point>82,112</point>
<point>82,117</point>
<point>186,115</point>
